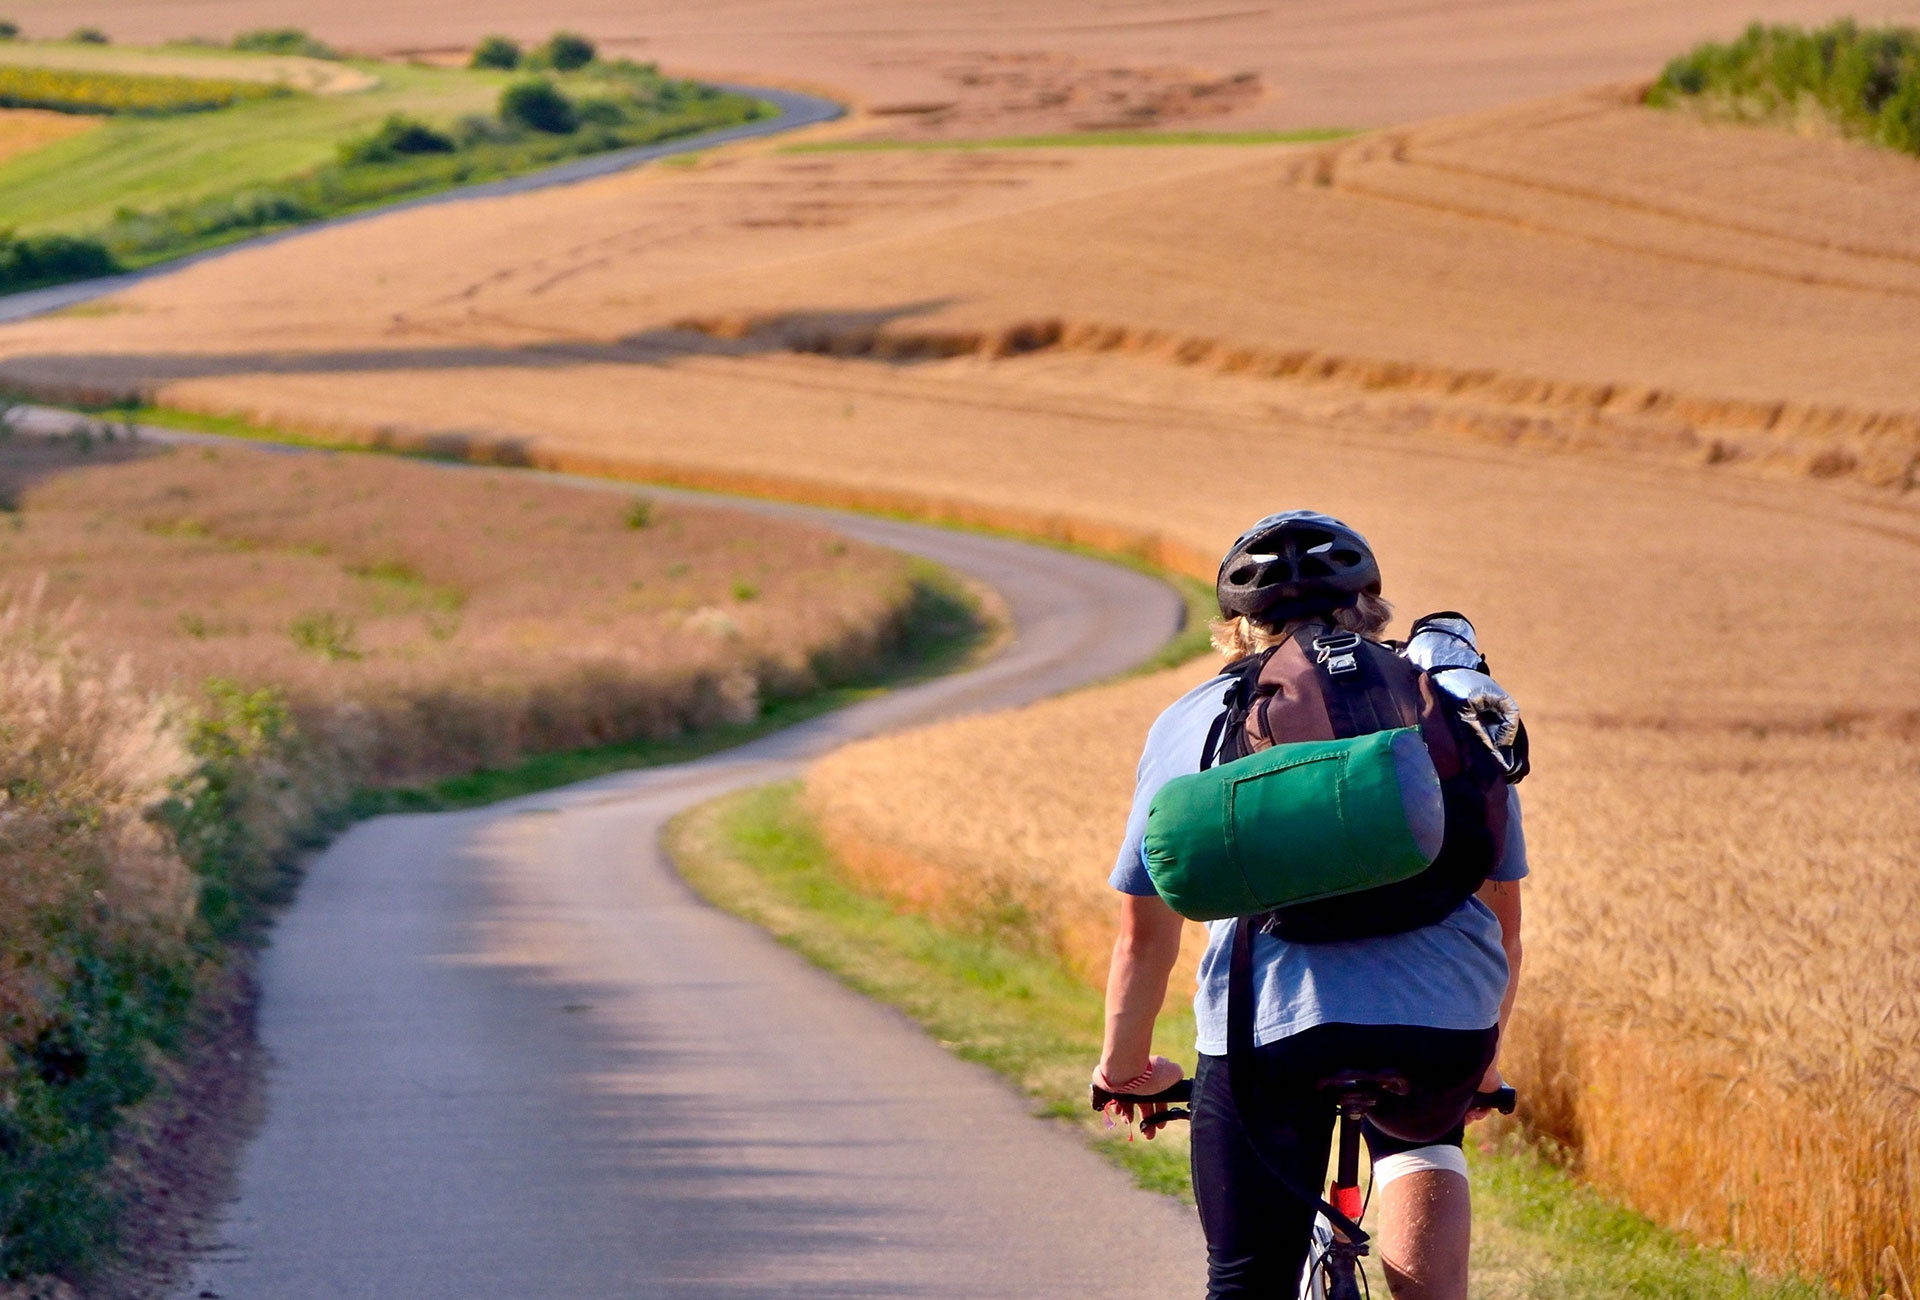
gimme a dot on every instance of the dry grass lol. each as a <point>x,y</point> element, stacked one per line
<point>431,622</point>
<point>87,756</point>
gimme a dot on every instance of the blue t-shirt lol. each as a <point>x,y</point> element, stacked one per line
<point>1451,975</point>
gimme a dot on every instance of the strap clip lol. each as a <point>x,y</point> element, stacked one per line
<point>1338,653</point>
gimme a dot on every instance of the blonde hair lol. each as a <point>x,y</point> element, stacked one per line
<point>1240,636</point>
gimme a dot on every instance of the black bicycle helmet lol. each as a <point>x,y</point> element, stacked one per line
<point>1295,563</point>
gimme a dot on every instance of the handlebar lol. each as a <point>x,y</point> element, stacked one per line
<point>1501,1099</point>
<point>1181,1091</point>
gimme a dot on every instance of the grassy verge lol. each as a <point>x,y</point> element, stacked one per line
<point>1081,140</point>
<point>989,998</point>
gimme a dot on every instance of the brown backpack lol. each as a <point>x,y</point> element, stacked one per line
<point>1326,684</point>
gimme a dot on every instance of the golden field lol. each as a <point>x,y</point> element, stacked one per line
<point>426,622</point>
<point>1635,390</point>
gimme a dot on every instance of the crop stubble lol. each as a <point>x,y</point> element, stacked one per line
<point>1702,595</point>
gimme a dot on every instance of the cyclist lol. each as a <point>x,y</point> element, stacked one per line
<point>1429,1003</point>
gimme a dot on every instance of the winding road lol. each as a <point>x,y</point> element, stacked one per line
<point>512,1055</point>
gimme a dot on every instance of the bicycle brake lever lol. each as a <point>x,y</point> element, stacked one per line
<point>1502,1100</point>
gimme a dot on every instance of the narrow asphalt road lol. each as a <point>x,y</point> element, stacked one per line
<point>513,1056</point>
<point>795,110</point>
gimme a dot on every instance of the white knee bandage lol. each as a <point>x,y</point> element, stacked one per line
<point>1419,1160</point>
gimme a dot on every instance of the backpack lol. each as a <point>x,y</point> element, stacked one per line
<point>1324,690</point>
<point>1322,684</point>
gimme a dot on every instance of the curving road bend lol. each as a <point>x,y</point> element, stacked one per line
<point>513,1056</point>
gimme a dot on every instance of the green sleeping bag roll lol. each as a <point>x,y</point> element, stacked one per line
<point>1292,824</point>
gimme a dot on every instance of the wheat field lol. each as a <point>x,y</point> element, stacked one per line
<point>428,621</point>
<point>1718,1016</point>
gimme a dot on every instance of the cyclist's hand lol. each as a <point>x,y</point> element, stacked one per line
<point>1159,1075</point>
<point>1491,1081</point>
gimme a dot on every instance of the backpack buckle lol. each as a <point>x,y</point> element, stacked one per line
<point>1338,652</point>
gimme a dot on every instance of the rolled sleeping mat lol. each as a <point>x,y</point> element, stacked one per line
<point>1295,823</point>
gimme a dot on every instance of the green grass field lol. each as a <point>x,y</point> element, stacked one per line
<point>988,997</point>
<point>75,186</point>
<point>148,186</point>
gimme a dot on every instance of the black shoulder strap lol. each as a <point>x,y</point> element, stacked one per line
<point>1240,1078</point>
<point>1242,676</point>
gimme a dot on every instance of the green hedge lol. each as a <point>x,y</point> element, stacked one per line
<point>283,40</point>
<point>50,259</point>
<point>1864,80</point>
<point>235,818</point>
<point>70,90</point>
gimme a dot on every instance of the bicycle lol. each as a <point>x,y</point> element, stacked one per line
<point>1333,1270</point>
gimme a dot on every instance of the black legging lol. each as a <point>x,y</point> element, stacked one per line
<point>1257,1230</point>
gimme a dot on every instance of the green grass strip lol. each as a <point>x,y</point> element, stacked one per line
<point>988,996</point>
<point>1081,140</point>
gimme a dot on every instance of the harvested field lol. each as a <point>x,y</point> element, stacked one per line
<point>992,69</point>
<point>1581,273</point>
<point>23,130</point>
<point>428,623</point>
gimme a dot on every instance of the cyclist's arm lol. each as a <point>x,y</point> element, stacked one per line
<point>1503,898</point>
<point>1143,957</point>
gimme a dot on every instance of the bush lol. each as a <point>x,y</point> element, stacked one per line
<point>1864,80</point>
<point>89,36</point>
<point>50,259</point>
<point>284,40</point>
<point>76,91</point>
<point>9,30</point>
<point>482,128</point>
<point>601,111</point>
<point>565,52</point>
<point>397,137</point>
<point>539,105</point>
<point>496,52</point>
